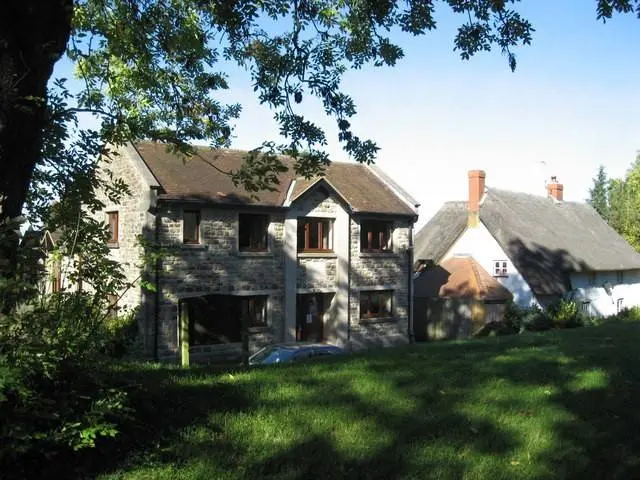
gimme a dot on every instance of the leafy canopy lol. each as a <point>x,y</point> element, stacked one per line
<point>152,68</point>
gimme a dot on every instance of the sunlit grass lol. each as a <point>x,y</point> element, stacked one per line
<point>557,405</point>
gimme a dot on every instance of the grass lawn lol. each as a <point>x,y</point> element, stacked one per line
<point>557,405</point>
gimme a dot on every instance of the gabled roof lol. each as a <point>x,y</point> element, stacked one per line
<point>460,277</point>
<point>202,178</point>
<point>436,237</point>
<point>545,239</point>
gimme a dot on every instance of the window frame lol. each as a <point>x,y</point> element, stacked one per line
<point>500,268</point>
<point>266,222</point>
<point>114,227</point>
<point>384,229</point>
<point>198,238</point>
<point>387,312</point>
<point>307,222</point>
<point>619,305</point>
<point>620,277</point>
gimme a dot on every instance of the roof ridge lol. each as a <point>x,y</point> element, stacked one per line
<point>533,195</point>
<point>479,284</point>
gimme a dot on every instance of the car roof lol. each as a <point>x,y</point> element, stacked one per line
<point>301,345</point>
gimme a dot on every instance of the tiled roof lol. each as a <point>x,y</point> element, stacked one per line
<point>203,178</point>
<point>460,277</point>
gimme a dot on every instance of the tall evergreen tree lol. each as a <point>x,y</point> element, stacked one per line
<point>599,194</point>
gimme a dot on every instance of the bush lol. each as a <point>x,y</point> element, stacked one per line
<point>513,318</point>
<point>629,314</point>
<point>565,314</point>
<point>535,319</point>
<point>55,396</point>
<point>121,332</point>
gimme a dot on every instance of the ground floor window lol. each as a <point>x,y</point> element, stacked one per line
<point>620,305</point>
<point>376,303</point>
<point>215,319</point>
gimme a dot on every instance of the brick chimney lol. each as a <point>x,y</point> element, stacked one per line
<point>554,189</point>
<point>476,190</point>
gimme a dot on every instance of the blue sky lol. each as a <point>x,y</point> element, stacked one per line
<point>572,104</point>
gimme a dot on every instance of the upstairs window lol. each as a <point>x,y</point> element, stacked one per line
<point>315,234</point>
<point>620,276</point>
<point>375,304</point>
<point>375,236</point>
<point>112,220</point>
<point>500,268</point>
<point>252,232</point>
<point>191,227</point>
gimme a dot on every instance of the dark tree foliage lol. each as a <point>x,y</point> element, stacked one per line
<point>151,69</point>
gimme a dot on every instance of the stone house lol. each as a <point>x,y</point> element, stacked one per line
<point>539,247</point>
<point>326,259</point>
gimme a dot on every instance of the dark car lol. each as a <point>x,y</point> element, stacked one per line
<point>292,352</point>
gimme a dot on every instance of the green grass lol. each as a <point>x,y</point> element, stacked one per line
<point>563,405</point>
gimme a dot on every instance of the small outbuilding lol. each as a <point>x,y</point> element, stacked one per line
<point>455,299</point>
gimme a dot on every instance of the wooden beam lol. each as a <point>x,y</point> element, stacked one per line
<point>184,335</point>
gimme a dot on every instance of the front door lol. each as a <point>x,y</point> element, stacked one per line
<point>309,317</point>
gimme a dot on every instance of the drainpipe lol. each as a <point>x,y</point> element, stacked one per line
<point>156,282</point>
<point>410,280</point>
<point>349,282</point>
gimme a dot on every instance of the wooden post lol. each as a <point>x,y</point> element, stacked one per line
<point>184,334</point>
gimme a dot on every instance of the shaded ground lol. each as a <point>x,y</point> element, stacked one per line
<point>555,405</point>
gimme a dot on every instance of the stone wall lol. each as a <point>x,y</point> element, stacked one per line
<point>216,266</point>
<point>380,271</point>
<point>134,219</point>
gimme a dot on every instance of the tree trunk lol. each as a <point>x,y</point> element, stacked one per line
<point>33,36</point>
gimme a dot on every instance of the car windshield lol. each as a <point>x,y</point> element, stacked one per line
<point>273,355</point>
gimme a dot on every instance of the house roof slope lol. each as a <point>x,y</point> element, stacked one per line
<point>202,178</point>
<point>436,237</point>
<point>460,277</point>
<point>546,239</point>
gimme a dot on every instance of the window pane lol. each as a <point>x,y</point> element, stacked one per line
<point>375,304</point>
<point>375,235</point>
<point>314,234</point>
<point>113,227</point>
<point>255,308</point>
<point>253,232</point>
<point>191,227</point>
<point>325,229</point>
<point>214,319</point>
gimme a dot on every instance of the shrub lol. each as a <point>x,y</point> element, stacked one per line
<point>120,334</point>
<point>535,319</point>
<point>565,314</point>
<point>629,314</point>
<point>513,318</point>
<point>54,393</point>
